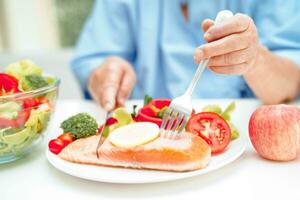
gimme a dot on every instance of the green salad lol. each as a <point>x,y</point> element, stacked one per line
<point>23,119</point>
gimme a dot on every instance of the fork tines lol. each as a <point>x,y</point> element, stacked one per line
<point>173,123</point>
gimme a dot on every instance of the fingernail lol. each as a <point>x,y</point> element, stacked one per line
<point>207,36</point>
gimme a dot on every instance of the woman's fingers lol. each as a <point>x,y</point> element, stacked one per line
<point>232,46</point>
<point>237,24</point>
<point>238,69</point>
<point>110,86</point>
<point>93,81</point>
<point>232,58</point>
<point>112,82</point>
<point>206,24</point>
<point>222,46</point>
<point>126,86</point>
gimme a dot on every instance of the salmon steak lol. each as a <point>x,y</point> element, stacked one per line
<point>188,153</point>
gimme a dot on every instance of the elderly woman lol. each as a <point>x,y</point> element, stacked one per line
<point>132,47</point>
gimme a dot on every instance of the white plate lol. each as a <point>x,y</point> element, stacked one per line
<point>129,176</point>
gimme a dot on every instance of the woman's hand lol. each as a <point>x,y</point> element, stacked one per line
<point>232,46</point>
<point>110,84</point>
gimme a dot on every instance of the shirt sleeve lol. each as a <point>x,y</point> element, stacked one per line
<point>107,32</point>
<point>278,27</point>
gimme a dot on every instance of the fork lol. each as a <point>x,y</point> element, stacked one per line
<point>176,116</point>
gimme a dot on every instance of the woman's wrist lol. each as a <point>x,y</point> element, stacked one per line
<point>272,78</point>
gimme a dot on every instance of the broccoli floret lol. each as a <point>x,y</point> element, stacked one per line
<point>80,125</point>
<point>32,82</point>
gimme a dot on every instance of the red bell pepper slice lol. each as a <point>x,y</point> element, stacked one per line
<point>8,84</point>
<point>148,114</point>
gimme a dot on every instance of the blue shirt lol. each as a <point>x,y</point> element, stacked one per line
<point>155,38</point>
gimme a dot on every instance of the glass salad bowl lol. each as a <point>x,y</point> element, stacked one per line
<point>24,116</point>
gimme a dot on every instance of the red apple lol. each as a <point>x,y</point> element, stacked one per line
<point>275,132</point>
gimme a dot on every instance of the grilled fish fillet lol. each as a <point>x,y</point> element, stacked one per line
<point>188,153</point>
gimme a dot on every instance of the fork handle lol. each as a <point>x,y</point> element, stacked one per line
<point>199,71</point>
<point>222,16</point>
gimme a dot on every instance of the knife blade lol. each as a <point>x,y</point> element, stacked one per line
<point>108,115</point>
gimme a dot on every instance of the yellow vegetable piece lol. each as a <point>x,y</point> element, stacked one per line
<point>23,68</point>
<point>38,120</point>
<point>122,116</point>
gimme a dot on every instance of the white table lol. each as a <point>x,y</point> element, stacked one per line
<point>249,177</point>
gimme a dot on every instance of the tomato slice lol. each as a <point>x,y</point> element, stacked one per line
<point>56,145</point>
<point>7,123</point>
<point>8,84</point>
<point>34,102</point>
<point>66,138</point>
<point>212,128</point>
<point>31,103</point>
<point>23,116</point>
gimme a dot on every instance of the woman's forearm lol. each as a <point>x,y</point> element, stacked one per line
<point>274,79</point>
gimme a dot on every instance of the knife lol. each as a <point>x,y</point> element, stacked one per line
<point>108,115</point>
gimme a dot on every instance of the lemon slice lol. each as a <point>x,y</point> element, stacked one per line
<point>135,134</point>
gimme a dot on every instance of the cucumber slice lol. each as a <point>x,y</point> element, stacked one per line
<point>227,112</point>
<point>21,148</point>
<point>4,148</point>
<point>234,131</point>
<point>9,110</point>
<point>16,138</point>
